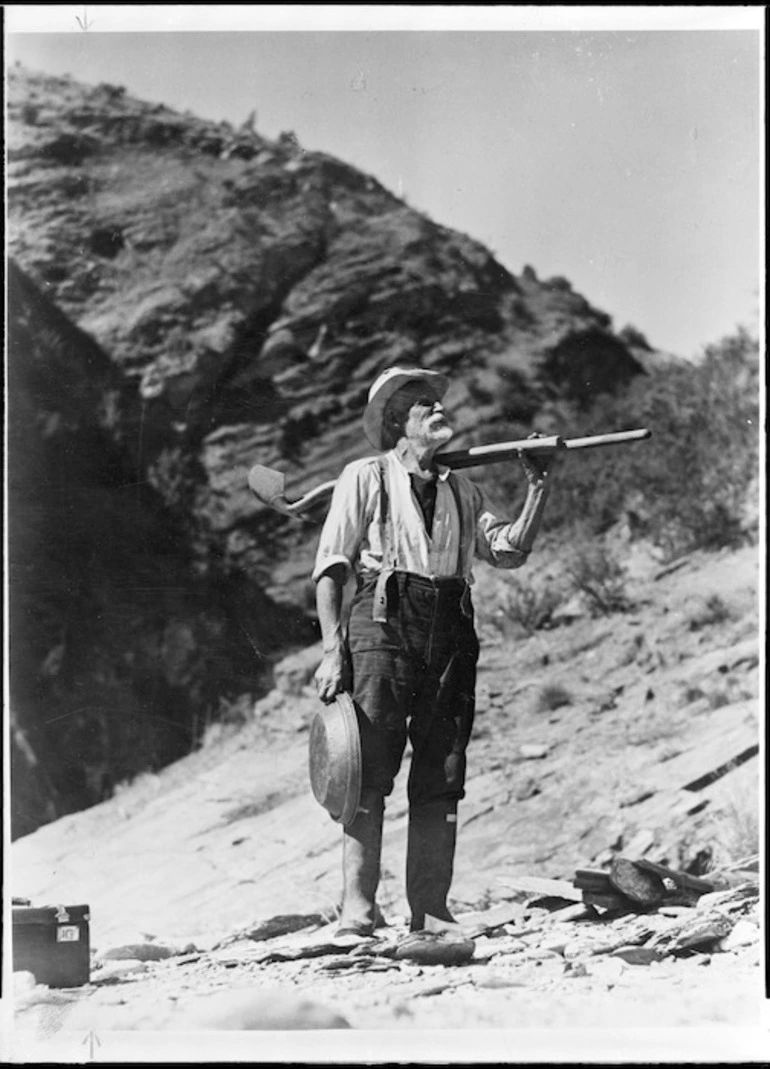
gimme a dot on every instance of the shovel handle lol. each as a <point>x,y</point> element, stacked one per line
<point>492,454</point>
<point>268,485</point>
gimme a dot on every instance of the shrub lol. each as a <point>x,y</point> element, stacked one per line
<point>634,338</point>
<point>553,696</point>
<point>687,486</point>
<point>712,611</point>
<point>736,834</point>
<point>531,606</point>
<point>597,573</point>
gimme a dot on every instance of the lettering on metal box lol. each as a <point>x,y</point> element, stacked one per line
<point>67,933</point>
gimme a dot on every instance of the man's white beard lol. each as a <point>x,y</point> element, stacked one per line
<point>438,435</point>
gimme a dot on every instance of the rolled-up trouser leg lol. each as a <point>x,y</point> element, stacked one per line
<point>361,849</point>
<point>430,860</point>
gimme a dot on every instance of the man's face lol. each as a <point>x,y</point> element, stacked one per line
<point>419,410</point>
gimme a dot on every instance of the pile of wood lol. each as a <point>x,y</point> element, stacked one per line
<point>640,885</point>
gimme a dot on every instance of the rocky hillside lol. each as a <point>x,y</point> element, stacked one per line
<point>188,299</point>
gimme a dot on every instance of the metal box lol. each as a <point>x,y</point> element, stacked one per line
<point>53,943</point>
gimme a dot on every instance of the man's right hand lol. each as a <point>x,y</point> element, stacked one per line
<point>332,675</point>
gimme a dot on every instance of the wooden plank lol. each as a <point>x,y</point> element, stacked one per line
<point>543,888</point>
<point>601,886</point>
<point>479,923</point>
<point>592,874</point>
<point>609,901</point>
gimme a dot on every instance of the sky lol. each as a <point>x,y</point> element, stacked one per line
<point>618,147</point>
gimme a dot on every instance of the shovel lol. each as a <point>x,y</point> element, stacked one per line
<point>269,486</point>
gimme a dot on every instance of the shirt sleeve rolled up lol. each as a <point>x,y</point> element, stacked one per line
<point>504,543</point>
<point>343,529</point>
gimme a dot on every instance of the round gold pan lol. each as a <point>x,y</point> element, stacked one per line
<point>335,758</point>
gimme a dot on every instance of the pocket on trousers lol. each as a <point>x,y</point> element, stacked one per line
<point>365,633</point>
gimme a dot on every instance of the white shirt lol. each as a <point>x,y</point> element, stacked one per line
<point>352,533</point>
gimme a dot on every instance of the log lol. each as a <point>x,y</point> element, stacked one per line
<point>641,886</point>
<point>608,901</point>
<point>593,880</point>
<point>683,880</point>
<point>543,888</point>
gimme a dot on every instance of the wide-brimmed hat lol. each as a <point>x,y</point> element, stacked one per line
<point>383,389</point>
<point>335,758</point>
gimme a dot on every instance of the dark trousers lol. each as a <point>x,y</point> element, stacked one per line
<point>414,677</point>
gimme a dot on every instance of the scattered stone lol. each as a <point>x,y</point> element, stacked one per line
<point>635,955</point>
<point>187,959</point>
<point>528,789</point>
<point>702,933</point>
<point>580,911</point>
<point>428,948</point>
<point>477,923</point>
<point>535,885</point>
<point>675,911</point>
<point>116,970</point>
<point>507,944</point>
<point>540,953</point>
<point>555,944</point>
<point>350,962</point>
<point>575,970</point>
<point>743,933</point>
<point>533,751</point>
<point>137,952</point>
<point>578,949</point>
<point>734,898</point>
<point>487,948</point>
<point>286,924</point>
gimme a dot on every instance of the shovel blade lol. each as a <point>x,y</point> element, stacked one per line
<point>269,487</point>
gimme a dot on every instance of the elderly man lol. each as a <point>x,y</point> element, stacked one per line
<point>409,529</point>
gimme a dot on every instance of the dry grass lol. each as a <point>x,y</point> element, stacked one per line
<point>597,573</point>
<point>532,606</point>
<point>736,831</point>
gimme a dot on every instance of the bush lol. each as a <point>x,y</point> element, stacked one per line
<point>736,833</point>
<point>634,338</point>
<point>712,611</point>
<point>553,696</point>
<point>530,606</point>
<point>686,487</point>
<point>597,573</point>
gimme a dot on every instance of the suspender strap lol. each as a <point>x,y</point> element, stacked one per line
<point>380,609</point>
<point>466,527</point>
